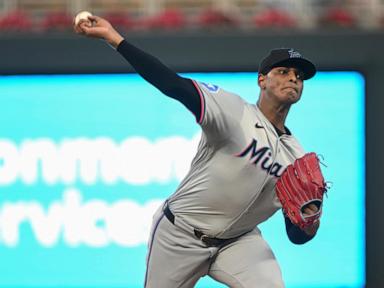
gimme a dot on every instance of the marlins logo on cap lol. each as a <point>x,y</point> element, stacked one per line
<point>287,57</point>
<point>294,54</point>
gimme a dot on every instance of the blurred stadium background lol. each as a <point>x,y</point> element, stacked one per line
<point>194,14</point>
<point>217,35</point>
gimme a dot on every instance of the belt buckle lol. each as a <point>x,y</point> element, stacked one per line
<point>204,237</point>
<point>208,241</point>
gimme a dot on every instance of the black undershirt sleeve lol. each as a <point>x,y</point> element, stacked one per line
<point>162,77</point>
<point>295,234</point>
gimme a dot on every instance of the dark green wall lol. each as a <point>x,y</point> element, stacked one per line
<point>233,51</point>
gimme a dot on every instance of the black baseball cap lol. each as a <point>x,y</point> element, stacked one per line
<point>287,57</point>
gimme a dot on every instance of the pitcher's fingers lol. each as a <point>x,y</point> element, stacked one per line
<point>77,29</point>
<point>313,207</point>
<point>94,18</point>
<point>86,30</point>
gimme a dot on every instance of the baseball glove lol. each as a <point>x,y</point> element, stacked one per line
<point>302,183</point>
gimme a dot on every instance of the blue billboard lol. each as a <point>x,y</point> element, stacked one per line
<point>85,160</point>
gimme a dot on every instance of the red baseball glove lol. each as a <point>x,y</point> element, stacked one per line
<point>302,183</point>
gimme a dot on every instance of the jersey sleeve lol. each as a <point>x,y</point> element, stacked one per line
<point>220,111</point>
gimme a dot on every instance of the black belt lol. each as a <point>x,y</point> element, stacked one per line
<point>209,241</point>
<point>168,213</point>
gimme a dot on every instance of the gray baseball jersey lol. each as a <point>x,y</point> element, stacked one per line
<point>230,186</point>
<point>227,192</point>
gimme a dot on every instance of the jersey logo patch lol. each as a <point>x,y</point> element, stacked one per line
<point>211,87</point>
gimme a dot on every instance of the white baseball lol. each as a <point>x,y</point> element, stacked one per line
<point>83,15</point>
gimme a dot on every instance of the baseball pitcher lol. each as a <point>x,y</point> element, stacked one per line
<point>248,166</point>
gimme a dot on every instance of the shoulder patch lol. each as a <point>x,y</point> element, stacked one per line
<point>211,87</point>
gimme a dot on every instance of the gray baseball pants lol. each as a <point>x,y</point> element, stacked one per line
<point>178,259</point>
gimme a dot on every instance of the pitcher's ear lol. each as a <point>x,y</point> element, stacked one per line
<point>261,81</point>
